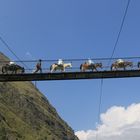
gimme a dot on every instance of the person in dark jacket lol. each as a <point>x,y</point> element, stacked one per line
<point>38,67</point>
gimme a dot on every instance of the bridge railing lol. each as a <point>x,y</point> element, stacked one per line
<point>30,65</point>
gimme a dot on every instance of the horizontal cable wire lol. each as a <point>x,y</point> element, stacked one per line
<point>72,60</point>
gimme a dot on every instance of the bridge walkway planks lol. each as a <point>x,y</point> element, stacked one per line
<point>69,75</point>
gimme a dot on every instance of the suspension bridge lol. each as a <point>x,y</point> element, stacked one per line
<point>73,73</point>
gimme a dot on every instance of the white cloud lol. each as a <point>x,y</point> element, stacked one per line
<point>118,123</point>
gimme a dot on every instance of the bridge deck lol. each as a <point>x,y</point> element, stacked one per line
<point>69,75</point>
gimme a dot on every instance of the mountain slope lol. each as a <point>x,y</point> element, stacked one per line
<point>26,114</point>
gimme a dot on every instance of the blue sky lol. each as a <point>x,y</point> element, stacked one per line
<point>70,29</point>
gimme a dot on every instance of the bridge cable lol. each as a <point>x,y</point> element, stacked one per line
<point>8,47</point>
<point>74,59</point>
<point>114,48</point>
<point>120,30</point>
<point>99,106</point>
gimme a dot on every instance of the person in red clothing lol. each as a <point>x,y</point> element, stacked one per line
<point>38,67</point>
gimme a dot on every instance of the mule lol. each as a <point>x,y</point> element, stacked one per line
<point>122,65</point>
<point>62,67</point>
<point>93,67</point>
<point>14,69</point>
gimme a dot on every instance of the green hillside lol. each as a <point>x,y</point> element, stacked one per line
<point>26,114</point>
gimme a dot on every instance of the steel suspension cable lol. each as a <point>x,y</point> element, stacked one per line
<point>76,59</point>
<point>114,48</point>
<point>99,107</point>
<point>8,47</point>
<point>120,30</point>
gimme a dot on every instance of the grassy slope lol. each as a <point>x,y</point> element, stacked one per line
<point>26,114</point>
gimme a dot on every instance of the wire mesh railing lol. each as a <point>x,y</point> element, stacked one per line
<point>76,63</point>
